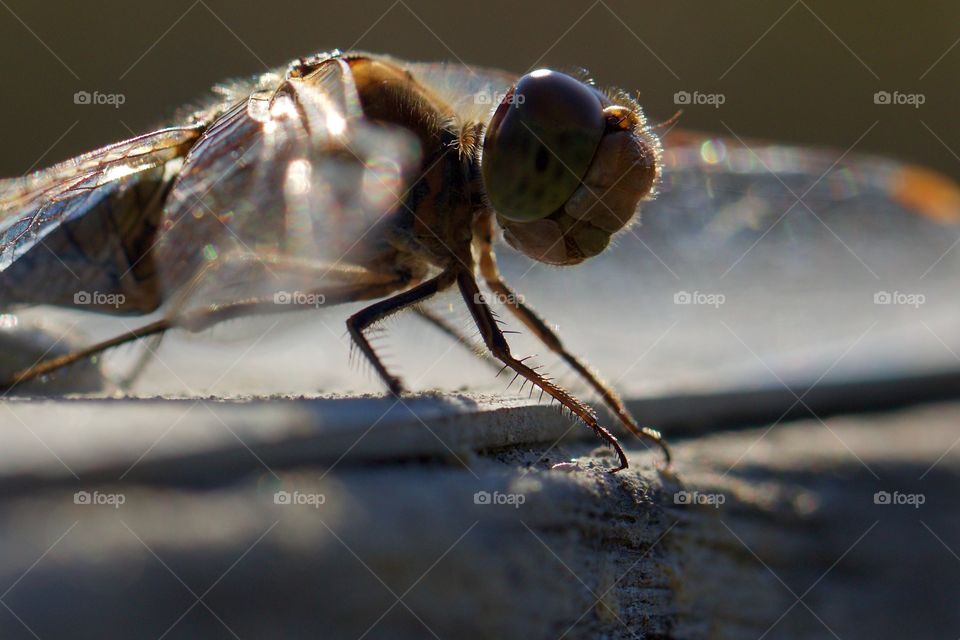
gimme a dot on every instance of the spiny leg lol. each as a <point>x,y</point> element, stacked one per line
<point>363,319</point>
<point>375,286</point>
<point>49,366</point>
<point>494,339</point>
<point>491,275</point>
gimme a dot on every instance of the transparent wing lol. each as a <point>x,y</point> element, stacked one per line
<point>88,213</point>
<point>719,197</point>
<point>472,92</point>
<point>760,264</point>
<point>31,206</point>
<point>290,176</point>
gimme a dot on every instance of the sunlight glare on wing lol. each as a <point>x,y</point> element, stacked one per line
<point>336,123</point>
<point>120,171</point>
<point>382,183</point>
<point>283,107</point>
<point>298,177</point>
<point>388,156</point>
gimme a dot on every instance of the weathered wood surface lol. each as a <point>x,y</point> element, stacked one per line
<point>401,548</point>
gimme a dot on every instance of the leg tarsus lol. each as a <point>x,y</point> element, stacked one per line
<point>359,322</point>
<point>355,325</point>
<point>494,339</point>
<point>488,268</point>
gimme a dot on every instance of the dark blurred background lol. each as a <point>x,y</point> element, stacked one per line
<point>803,72</point>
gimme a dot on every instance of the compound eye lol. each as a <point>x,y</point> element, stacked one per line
<point>540,143</point>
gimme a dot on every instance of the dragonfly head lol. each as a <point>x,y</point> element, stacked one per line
<point>565,167</point>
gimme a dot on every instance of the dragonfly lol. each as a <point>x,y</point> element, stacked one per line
<point>348,177</point>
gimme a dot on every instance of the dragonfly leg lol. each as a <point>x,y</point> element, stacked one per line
<point>488,268</point>
<point>363,319</point>
<point>48,366</point>
<point>494,339</point>
<point>360,287</point>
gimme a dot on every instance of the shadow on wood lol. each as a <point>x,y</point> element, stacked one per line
<point>779,532</point>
